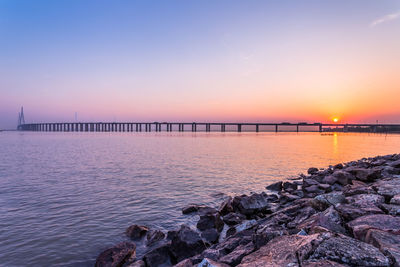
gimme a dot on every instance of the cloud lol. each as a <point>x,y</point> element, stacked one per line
<point>386,18</point>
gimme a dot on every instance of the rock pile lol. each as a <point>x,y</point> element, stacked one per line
<point>345,215</point>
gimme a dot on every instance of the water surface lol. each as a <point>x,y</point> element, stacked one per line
<point>64,197</point>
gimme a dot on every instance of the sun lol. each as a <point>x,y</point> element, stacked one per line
<point>335,119</point>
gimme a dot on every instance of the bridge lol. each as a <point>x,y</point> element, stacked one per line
<point>203,126</point>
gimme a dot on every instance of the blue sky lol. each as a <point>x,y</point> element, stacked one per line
<point>199,60</point>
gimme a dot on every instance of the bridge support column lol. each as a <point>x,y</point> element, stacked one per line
<point>320,128</point>
<point>239,128</point>
<point>297,128</point>
<point>276,128</point>
<point>257,128</point>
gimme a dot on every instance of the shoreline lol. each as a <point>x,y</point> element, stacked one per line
<point>344,215</point>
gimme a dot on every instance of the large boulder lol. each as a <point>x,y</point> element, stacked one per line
<point>210,235</point>
<point>321,202</point>
<point>365,200</point>
<point>236,256</point>
<point>255,203</point>
<point>350,251</point>
<point>226,206</point>
<point>154,236</point>
<point>233,218</point>
<point>329,219</point>
<point>117,255</point>
<point>209,221</point>
<point>387,187</point>
<point>289,250</point>
<point>388,243</point>
<point>383,222</point>
<point>275,186</point>
<point>186,243</point>
<point>159,256</point>
<point>312,170</point>
<point>343,177</point>
<point>136,232</point>
<point>351,212</point>
<point>198,208</point>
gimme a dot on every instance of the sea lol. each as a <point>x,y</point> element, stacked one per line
<point>66,197</point>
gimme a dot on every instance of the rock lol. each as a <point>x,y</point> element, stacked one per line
<point>117,255</point>
<point>184,263</point>
<point>338,166</point>
<point>283,251</point>
<point>325,187</point>
<point>365,200</point>
<point>343,177</point>
<point>210,235</point>
<point>395,164</point>
<point>312,189</point>
<point>289,186</point>
<point>252,204</point>
<point>210,263</point>
<point>138,263</point>
<point>309,182</point>
<point>154,236</point>
<point>226,206</point>
<point>266,233</point>
<point>329,179</point>
<point>383,222</point>
<point>364,174</point>
<point>350,212</point>
<point>186,243</point>
<point>275,186</point>
<point>321,263</point>
<point>233,218</point>
<point>321,202</point>
<point>386,242</point>
<point>387,187</point>
<point>236,256</point>
<point>391,209</point>
<point>209,221</point>
<point>349,251</point>
<point>356,188</point>
<point>159,256</point>
<point>329,219</point>
<point>395,200</point>
<point>198,208</point>
<point>135,231</point>
<point>312,170</point>
<point>286,197</point>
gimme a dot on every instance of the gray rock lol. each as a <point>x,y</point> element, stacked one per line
<point>395,164</point>
<point>252,204</point>
<point>343,177</point>
<point>395,200</point>
<point>154,236</point>
<point>184,263</point>
<point>233,218</point>
<point>365,200</point>
<point>289,186</point>
<point>209,221</point>
<point>275,186</point>
<point>117,255</point>
<point>329,219</point>
<point>350,212</point>
<point>236,256</point>
<point>198,208</point>
<point>138,263</point>
<point>323,201</point>
<point>391,209</point>
<point>386,242</point>
<point>210,263</point>
<point>186,243</point>
<point>136,232</point>
<point>226,206</point>
<point>329,179</point>
<point>349,251</point>
<point>210,235</point>
<point>159,256</point>
<point>312,170</point>
<point>322,263</point>
<point>387,187</point>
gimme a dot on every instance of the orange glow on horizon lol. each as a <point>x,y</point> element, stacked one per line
<point>335,119</point>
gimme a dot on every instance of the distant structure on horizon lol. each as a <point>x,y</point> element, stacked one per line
<point>21,119</point>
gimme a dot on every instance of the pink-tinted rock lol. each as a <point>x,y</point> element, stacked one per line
<point>117,255</point>
<point>361,225</point>
<point>350,212</point>
<point>388,243</point>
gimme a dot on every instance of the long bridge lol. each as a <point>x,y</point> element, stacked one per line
<point>201,126</point>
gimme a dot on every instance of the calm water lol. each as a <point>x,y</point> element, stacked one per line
<point>64,197</point>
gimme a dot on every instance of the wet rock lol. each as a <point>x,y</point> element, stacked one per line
<point>233,218</point>
<point>329,219</point>
<point>154,236</point>
<point>210,263</point>
<point>209,221</point>
<point>275,186</point>
<point>283,251</point>
<point>198,208</point>
<point>391,209</point>
<point>186,243</point>
<point>312,170</point>
<point>289,186</point>
<point>383,222</point>
<point>387,243</point>
<point>159,256</point>
<point>226,206</point>
<point>350,212</point>
<point>210,235</point>
<point>350,251</point>
<point>236,256</point>
<point>135,231</point>
<point>252,204</point>
<point>117,255</point>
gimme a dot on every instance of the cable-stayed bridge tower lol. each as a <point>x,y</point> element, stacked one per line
<point>21,118</point>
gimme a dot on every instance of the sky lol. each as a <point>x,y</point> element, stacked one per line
<point>200,60</point>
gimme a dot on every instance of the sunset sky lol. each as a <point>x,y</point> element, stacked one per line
<point>258,61</point>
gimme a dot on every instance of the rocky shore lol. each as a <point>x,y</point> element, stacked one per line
<point>344,215</point>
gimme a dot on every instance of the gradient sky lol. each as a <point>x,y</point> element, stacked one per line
<point>200,60</point>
